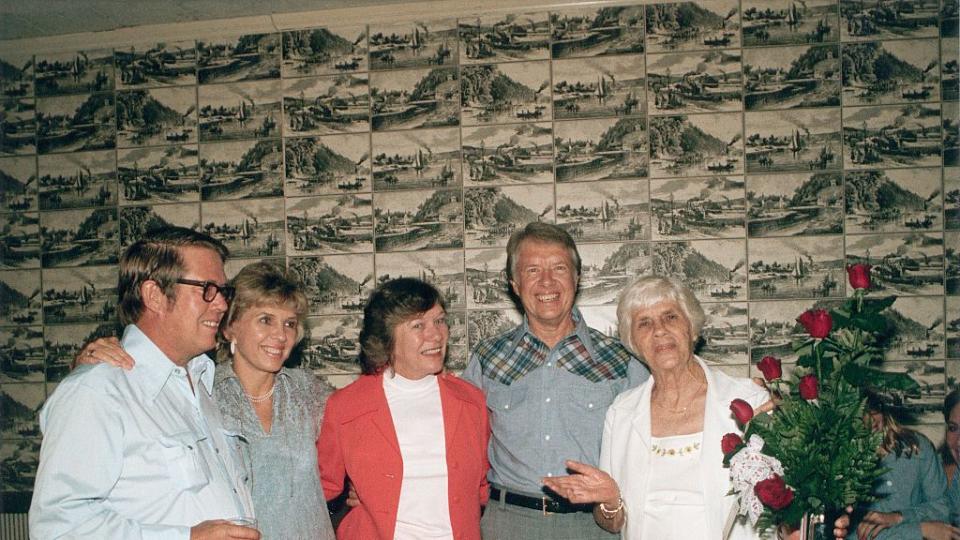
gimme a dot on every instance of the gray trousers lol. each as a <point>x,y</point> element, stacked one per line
<point>503,521</point>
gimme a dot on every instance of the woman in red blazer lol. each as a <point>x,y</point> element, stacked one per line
<point>383,430</point>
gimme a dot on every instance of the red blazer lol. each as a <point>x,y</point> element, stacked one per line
<point>357,439</point>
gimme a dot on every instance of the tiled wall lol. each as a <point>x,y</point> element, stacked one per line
<point>752,148</point>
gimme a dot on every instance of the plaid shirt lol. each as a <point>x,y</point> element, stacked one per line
<point>548,405</point>
<point>509,356</point>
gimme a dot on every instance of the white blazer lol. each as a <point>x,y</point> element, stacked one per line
<point>625,452</point>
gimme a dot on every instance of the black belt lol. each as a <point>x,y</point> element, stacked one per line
<point>544,504</point>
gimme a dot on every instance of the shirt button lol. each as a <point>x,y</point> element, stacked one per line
<point>547,438</point>
<point>549,364</point>
<point>506,406</point>
<point>547,400</point>
<point>889,483</point>
<point>589,405</point>
<point>549,474</point>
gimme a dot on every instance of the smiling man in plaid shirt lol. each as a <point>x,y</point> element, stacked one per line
<point>548,384</point>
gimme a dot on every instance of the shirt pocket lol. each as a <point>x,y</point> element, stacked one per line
<point>185,462</point>
<point>592,399</point>
<point>509,411</point>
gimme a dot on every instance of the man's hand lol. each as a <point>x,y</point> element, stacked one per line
<point>221,529</point>
<point>586,485</point>
<point>874,522</point>
<point>106,350</point>
<point>353,500</point>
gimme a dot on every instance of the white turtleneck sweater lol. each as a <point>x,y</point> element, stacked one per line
<point>423,511</point>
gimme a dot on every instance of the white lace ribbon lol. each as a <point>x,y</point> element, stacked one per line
<point>748,467</point>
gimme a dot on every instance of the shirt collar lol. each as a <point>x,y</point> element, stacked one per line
<point>153,368</point>
<point>580,330</point>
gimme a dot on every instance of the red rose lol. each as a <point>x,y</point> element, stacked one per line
<point>817,322</point>
<point>741,410</point>
<point>859,276</point>
<point>730,442</point>
<point>809,387</point>
<point>774,493</point>
<point>770,367</point>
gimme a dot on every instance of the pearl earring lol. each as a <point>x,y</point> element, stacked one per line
<point>233,348</point>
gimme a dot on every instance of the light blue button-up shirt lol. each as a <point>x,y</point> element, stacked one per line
<point>135,454</point>
<point>549,414</point>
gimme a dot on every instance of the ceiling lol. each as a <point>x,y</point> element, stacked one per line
<point>31,19</point>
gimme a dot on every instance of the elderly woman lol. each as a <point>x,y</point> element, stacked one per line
<point>411,438</point>
<point>661,440</point>
<point>273,411</point>
<point>661,469</point>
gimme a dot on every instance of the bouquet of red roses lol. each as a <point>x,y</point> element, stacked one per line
<point>814,453</point>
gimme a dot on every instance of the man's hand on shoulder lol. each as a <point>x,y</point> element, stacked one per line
<point>221,529</point>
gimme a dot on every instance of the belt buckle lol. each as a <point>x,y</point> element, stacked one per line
<point>543,505</point>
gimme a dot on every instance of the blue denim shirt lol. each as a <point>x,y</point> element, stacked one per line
<point>915,486</point>
<point>549,413</point>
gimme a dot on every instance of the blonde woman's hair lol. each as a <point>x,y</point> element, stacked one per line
<point>263,284</point>
<point>897,439</point>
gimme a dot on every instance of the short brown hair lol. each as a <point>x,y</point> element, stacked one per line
<point>390,304</point>
<point>157,257</point>
<point>263,284</point>
<point>540,232</point>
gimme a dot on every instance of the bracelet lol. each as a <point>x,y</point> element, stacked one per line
<point>610,514</point>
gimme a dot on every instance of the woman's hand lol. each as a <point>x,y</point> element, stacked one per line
<point>938,530</point>
<point>874,522</point>
<point>771,403</point>
<point>105,350</point>
<point>586,485</point>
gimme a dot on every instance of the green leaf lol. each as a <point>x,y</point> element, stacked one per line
<point>876,305</point>
<point>880,380</point>
<point>870,323</point>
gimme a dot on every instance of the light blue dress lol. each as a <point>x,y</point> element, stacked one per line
<point>285,480</point>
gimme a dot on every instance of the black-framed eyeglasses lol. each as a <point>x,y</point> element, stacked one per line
<point>210,289</point>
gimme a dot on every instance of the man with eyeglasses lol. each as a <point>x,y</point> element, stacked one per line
<point>141,453</point>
